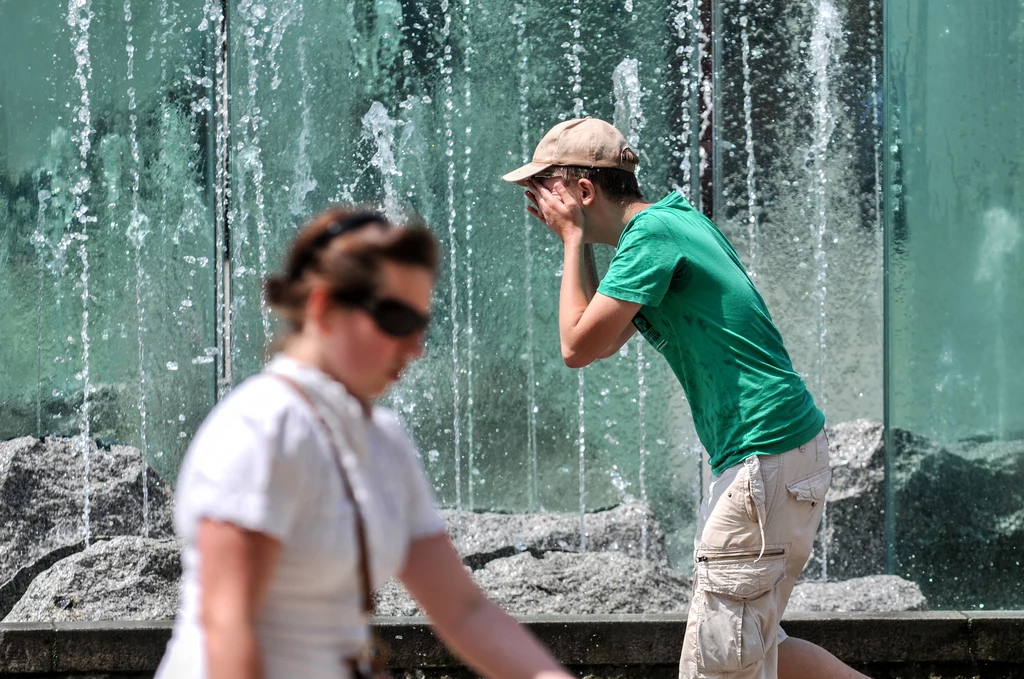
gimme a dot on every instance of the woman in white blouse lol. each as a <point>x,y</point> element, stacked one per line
<point>297,492</point>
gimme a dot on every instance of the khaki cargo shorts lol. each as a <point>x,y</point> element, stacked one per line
<point>754,536</point>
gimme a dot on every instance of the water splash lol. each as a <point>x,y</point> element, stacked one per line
<point>641,401</point>
<point>573,57</point>
<point>303,183</point>
<point>40,243</point>
<point>628,96</point>
<point>522,53</point>
<point>80,16</point>
<point>686,24</point>
<point>876,124</point>
<point>287,13</point>
<point>707,96</point>
<point>137,231</point>
<point>1001,239</point>
<point>753,248</point>
<point>380,128</point>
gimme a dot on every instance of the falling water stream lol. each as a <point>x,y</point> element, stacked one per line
<point>526,150</point>
<point>629,119</point>
<point>446,68</point>
<point>444,158</point>
<point>251,126</point>
<point>379,127</point>
<point>683,21</point>
<point>466,112</point>
<point>581,443</point>
<point>137,232</point>
<point>80,17</point>
<point>748,145</point>
<point>573,57</point>
<point>825,31</point>
<point>303,183</point>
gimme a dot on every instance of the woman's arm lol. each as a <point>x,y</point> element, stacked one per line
<point>234,570</point>
<point>482,634</point>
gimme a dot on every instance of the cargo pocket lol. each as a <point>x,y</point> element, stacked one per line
<point>811,488</point>
<point>740,608</point>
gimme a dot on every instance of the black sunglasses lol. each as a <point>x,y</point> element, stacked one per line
<point>394,318</point>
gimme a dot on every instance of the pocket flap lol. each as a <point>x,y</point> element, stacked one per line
<point>811,488</point>
<point>747,579</point>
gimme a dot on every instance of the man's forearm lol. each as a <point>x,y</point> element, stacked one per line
<point>589,272</point>
<point>572,300</point>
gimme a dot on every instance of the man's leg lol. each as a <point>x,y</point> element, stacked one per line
<point>734,612</point>
<point>799,659</point>
<point>794,518</point>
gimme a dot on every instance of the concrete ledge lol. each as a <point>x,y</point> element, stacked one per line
<point>930,639</point>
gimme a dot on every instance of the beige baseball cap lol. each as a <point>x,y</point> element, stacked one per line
<point>581,142</point>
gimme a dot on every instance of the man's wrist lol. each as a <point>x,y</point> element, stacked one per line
<point>573,237</point>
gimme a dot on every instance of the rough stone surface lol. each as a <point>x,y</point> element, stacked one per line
<point>567,583</point>
<point>958,517</point>
<point>960,520</point>
<point>878,593</point>
<point>953,504</point>
<point>854,524</point>
<point>123,578</point>
<point>484,536</point>
<point>43,496</point>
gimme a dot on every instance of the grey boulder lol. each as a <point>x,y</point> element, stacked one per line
<point>44,497</point>
<point>872,593</point>
<point>123,578</point>
<point>630,529</point>
<point>566,583</point>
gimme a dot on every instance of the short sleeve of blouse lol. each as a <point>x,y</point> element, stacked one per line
<point>246,466</point>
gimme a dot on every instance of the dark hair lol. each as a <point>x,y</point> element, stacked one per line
<point>618,185</point>
<point>344,247</point>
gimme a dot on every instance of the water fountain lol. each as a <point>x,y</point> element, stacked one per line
<point>195,141</point>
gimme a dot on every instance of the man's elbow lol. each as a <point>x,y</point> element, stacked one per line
<point>575,360</point>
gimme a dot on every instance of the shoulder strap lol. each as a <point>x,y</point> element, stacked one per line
<point>364,555</point>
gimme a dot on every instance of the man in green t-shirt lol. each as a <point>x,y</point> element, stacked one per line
<point>677,280</point>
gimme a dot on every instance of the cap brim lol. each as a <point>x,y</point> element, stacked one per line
<point>520,175</point>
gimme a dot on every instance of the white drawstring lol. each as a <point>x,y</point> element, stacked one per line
<point>758,498</point>
<point>760,525</point>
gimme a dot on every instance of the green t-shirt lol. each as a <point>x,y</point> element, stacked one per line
<point>701,311</point>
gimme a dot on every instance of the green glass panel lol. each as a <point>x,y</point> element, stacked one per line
<point>106,262</point>
<point>955,246</point>
<point>421,106</point>
<point>797,189</point>
<point>798,184</point>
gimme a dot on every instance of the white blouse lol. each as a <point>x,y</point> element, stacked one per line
<point>262,461</point>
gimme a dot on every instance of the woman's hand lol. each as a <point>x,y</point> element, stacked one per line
<point>482,634</point>
<point>556,207</point>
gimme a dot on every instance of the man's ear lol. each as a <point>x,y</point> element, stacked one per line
<point>588,192</point>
